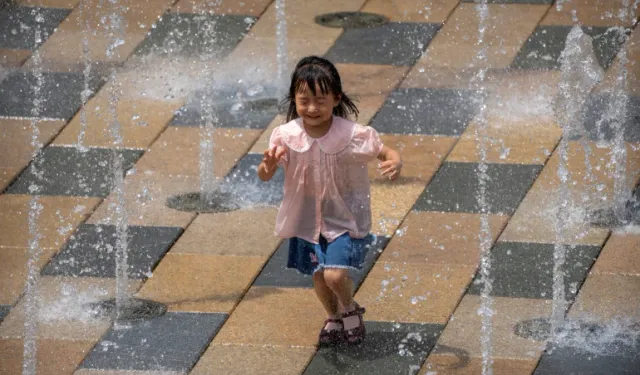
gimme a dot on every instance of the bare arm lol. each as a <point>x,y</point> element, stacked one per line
<point>391,163</point>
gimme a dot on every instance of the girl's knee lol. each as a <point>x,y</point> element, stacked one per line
<point>335,276</point>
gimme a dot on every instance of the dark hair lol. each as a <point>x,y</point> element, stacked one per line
<point>312,71</point>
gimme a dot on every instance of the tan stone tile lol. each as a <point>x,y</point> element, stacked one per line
<point>605,297</point>
<point>462,364</point>
<point>201,283</point>
<point>263,142</point>
<point>513,142</point>
<point>69,4</point>
<point>62,308</point>
<point>620,255</point>
<point>421,155</point>
<point>242,233</point>
<point>464,329</point>
<point>276,316</point>
<point>241,359</point>
<point>368,106</point>
<point>255,57</point>
<point>591,13</point>
<point>440,238</point>
<point>16,135</point>
<point>55,223</point>
<point>13,58</point>
<point>534,221</point>
<point>300,18</point>
<point>177,151</point>
<point>63,50</point>
<point>141,121</point>
<point>507,27</point>
<point>13,271</point>
<point>53,357</point>
<point>411,11</point>
<point>428,74</point>
<point>632,51</point>
<point>124,372</point>
<point>145,201</point>
<point>413,293</point>
<point>245,8</point>
<point>391,201</point>
<point>363,79</point>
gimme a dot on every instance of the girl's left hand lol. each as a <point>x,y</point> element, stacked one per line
<point>390,169</point>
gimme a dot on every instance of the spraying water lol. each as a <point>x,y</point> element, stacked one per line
<point>486,302</point>
<point>86,62</point>
<point>35,208</point>
<point>281,48</point>
<point>580,72</point>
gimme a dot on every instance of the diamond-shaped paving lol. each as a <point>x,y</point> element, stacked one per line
<point>18,25</point>
<point>92,251</point>
<point>525,270</point>
<point>70,171</point>
<point>171,342</point>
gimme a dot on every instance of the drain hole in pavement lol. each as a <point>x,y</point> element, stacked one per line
<point>351,20</point>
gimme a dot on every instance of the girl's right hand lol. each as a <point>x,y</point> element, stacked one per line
<point>272,156</point>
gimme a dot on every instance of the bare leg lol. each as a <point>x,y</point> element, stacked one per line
<point>327,298</point>
<point>338,280</point>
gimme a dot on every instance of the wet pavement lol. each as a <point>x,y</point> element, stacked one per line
<point>232,307</point>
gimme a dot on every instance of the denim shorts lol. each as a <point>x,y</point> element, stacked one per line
<point>344,252</point>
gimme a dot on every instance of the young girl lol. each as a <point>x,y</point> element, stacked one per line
<point>326,213</point>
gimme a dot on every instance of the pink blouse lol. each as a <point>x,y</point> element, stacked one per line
<point>326,186</point>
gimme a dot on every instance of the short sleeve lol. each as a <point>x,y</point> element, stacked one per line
<point>277,140</point>
<point>366,143</point>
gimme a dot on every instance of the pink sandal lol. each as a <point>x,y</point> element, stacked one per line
<point>330,337</point>
<point>355,335</point>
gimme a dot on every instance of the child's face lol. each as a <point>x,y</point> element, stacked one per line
<point>315,110</point>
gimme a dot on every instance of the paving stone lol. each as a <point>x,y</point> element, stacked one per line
<point>244,183</point>
<point>543,48</point>
<point>275,272</point>
<point>91,251</point>
<point>598,126</point>
<point>173,341</point>
<point>395,43</point>
<point>195,35</point>
<point>60,93</point>
<point>229,110</point>
<point>615,358</point>
<point>4,311</point>
<point>525,270</point>
<point>425,111</point>
<point>69,171</point>
<point>390,348</point>
<point>455,186</point>
<point>18,25</point>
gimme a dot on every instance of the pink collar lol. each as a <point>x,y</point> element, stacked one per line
<point>336,139</point>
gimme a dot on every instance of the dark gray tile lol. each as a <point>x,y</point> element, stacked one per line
<point>455,186</point>
<point>59,94</point>
<point>4,311</point>
<point>525,270</point>
<point>395,43</point>
<point>69,171</point>
<point>184,34</point>
<point>619,356</point>
<point>389,349</point>
<point>275,273</point>
<point>228,110</point>
<point>599,125</point>
<point>171,342</point>
<point>247,189</point>
<point>543,48</point>
<point>426,111</point>
<point>18,25</point>
<point>91,251</point>
<point>511,1</point>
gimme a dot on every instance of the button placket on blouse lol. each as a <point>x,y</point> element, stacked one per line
<point>315,164</point>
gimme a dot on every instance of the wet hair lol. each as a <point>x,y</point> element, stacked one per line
<point>312,71</point>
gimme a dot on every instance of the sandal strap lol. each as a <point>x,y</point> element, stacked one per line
<point>331,320</point>
<point>358,311</point>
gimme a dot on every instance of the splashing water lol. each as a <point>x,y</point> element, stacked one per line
<point>580,72</point>
<point>86,72</point>
<point>281,47</point>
